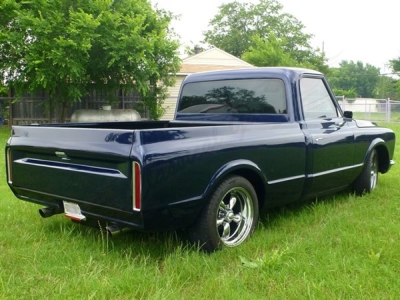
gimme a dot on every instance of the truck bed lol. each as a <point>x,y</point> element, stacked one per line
<point>93,165</point>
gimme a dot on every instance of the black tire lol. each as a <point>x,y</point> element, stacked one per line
<point>229,218</point>
<point>367,181</point>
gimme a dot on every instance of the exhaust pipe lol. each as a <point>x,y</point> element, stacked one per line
<point>114,229</point>
<point>46,212</point>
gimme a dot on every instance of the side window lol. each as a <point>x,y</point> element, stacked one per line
<point>317,103</point>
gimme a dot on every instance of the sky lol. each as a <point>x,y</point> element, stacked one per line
<point>352,30</point>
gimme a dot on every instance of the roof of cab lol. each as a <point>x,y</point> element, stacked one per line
<point>261,72</point>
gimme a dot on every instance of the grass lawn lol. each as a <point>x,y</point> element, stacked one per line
<point>340,247</point>
<point>377,116</point>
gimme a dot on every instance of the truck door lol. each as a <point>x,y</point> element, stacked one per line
<point>330,138</point>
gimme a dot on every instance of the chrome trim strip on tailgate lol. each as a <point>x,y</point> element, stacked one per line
<point>71,167</point>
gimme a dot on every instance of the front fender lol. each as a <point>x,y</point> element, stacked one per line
<point>383,154</point>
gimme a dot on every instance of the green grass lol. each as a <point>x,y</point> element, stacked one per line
<point>377,116</point>
<point>341,247</point>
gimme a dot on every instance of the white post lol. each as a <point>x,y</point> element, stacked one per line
<point>388,110</point>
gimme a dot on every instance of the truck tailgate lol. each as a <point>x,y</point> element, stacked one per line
<point>81,165</point>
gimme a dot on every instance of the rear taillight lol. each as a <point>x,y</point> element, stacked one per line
<point>137,187</point>
<point>9,170</point>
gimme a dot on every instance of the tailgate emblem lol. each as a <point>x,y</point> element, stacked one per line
<point>62,155</point>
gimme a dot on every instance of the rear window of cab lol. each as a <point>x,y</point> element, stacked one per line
<point>247,96</point>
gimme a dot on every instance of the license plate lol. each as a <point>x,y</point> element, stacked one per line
<point>73,211</point>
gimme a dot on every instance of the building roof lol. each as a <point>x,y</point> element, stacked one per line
<point>211,60</point>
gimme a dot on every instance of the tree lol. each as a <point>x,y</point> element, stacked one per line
<point>267,52</point>
<point>271,52</point>
<point>355,76</point>
<point>394,85</point>
<point>346,93</point>
<point>395,64</point>
<point>63,46</point>
<point>387,87</point>
<point>236,24</point>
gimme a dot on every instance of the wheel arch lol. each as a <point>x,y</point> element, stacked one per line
<point>383,154</point>
<point>245,168</point>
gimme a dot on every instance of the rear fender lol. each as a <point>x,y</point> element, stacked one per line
<point>242,167</point>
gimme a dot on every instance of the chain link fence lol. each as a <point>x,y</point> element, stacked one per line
<point>377,110</point>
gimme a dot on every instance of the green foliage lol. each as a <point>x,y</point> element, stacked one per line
<point>239,26</point>
<point>355,76</point>
<point>395,64</point>
<point>387,87</point>
<point>135,52</point>
<point>46,46</point>
<point>233,28</point>
<point>4,110</point>
<point>3,90</point>
<point>263,35</point>
<point>375,256</point>
<point>346,93</point>
<point>268,52</point>
<point>271,52</point>
<point>272,260</point>
<point>61,46</point>
<point>397,87</point>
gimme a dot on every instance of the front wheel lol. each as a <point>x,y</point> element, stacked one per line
<point>367,181</point>
<point>230,216</point>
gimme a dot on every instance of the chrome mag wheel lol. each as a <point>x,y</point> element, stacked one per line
<point>235,216</point>
<point>230,216</point>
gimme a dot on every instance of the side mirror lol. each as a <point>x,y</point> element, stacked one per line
<point>348,114</point>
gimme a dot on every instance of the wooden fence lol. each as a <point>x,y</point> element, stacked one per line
<point>30,109</point>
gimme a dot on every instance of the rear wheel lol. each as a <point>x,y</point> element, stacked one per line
<point>229,218</point>
<point>368,178</point>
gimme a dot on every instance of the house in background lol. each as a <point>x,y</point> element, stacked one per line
<point>209,60</point>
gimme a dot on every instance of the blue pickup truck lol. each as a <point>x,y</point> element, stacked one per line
<point>241,141</point>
